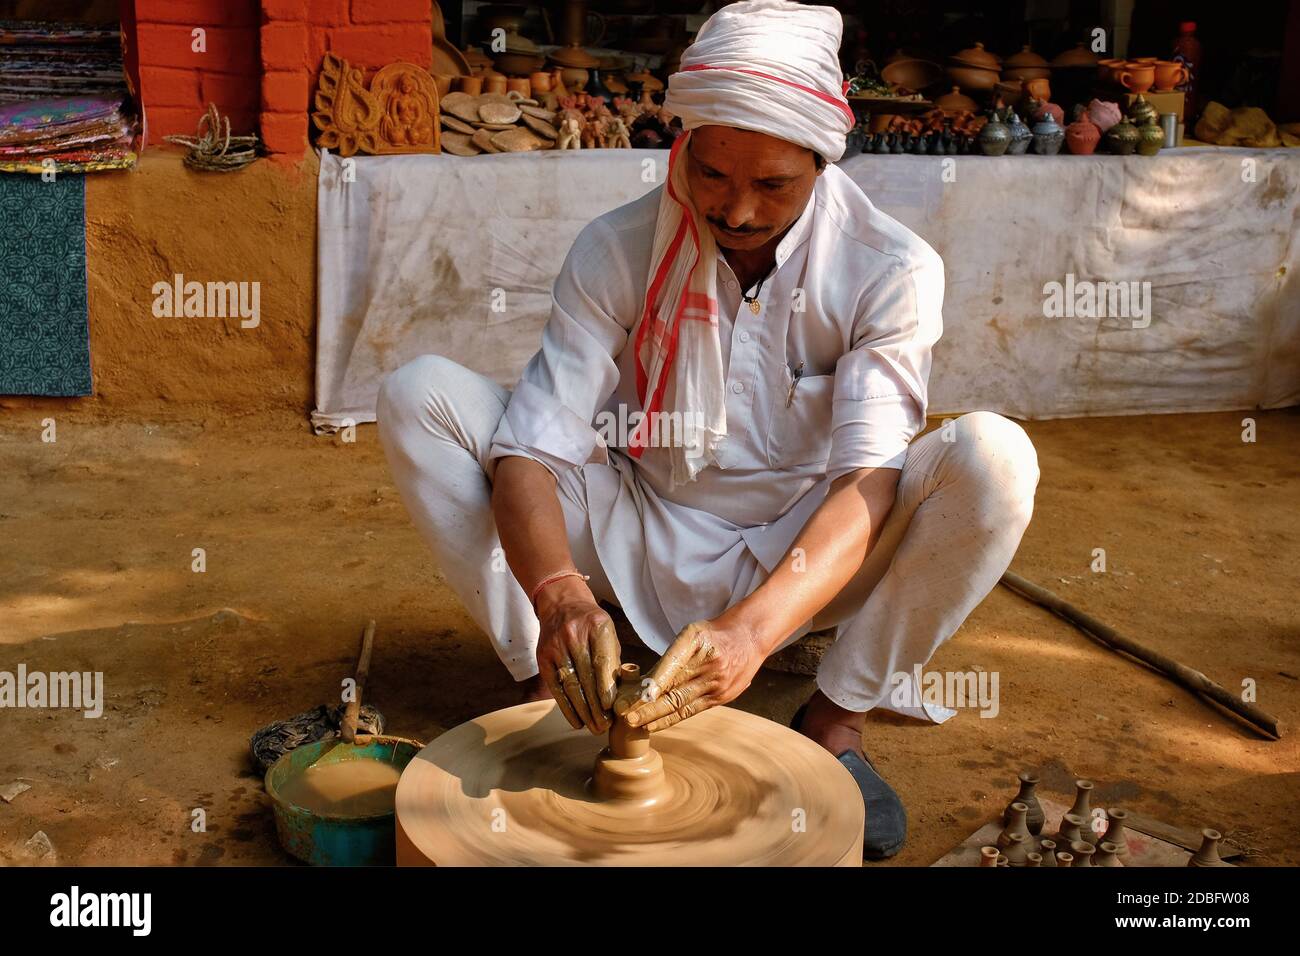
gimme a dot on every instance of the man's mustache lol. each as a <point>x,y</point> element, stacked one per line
<point>741,231</point>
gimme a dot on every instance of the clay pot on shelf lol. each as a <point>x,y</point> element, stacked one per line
<point>1104,114</point>
<point>1137,77</point>
<point>912,74</point>
<point>995,137</point>
<point>1021,136</point>
<point>1025,65</point>
<point>541,82</point>
<point>1009,91</point>
<point>1038,89</point>
<point>956,102</point>
<point>1108,71</point>
<point>1039,110</point>
<point>1122,138</point>
<point>978,57</point>
<point>473,85</point>
<point>1151,139</point>
<point>520,85</point>
<point>1078,57</point>
<point>1048,136</point>
<point>972,79</point>
<point>1140,112</point>
<point>1169,75</point>
<point>494,82</point>
<point>1082,136</point>
<point>1025,58</point>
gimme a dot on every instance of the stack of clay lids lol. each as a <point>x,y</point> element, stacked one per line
<point>495,123</point>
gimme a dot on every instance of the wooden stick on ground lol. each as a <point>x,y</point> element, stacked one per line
<point>348,725</point>
<point>1188,677</point>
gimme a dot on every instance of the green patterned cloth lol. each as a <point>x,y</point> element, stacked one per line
<point>44,325</point>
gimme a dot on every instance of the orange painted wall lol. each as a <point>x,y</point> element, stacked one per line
<point>263,57</point>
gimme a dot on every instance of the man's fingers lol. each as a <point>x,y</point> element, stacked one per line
<point>690,710</point>
<point>552,681</point>
<point>676,664</point>
<point>573,690</point>
<point>605,662</point>
<point>668,703</point>
<point>587,681</point>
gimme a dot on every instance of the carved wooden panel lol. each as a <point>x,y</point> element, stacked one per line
<point>397,113</point>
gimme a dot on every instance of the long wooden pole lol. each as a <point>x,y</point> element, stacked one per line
<point>1188,677</point>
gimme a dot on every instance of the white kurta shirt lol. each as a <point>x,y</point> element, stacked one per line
<point>856,299</point>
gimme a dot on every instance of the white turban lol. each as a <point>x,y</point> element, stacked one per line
<point>771,66</point>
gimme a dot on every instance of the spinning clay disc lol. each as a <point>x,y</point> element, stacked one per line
<point>516,787</point>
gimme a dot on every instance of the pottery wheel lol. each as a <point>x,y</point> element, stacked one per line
<point>516,787</point>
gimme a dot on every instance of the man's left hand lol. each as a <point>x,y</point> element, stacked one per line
<point>706,666</point>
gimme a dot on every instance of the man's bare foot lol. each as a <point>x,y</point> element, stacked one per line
<point>534,689</point>
<point>830,725</point>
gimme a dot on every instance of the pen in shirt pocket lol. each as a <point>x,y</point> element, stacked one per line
<point>795,374</point>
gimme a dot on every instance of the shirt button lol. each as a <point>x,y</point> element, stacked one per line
<point>744,336</point>
<point>737,387</point>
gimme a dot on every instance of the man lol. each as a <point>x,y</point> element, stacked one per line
<point>782,327</point>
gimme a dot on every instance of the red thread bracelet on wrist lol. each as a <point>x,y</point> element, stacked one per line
<point>551,579</point>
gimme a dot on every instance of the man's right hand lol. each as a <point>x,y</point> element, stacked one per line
<point>577,653</point>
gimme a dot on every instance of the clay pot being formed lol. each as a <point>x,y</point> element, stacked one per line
<point>1048,137</point>
<point>1034,815</point>
<point>1104,114</point>
<point>1122,138</point>
<point>1151,139</point>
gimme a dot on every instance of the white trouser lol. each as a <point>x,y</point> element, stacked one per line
<point>964,499</point>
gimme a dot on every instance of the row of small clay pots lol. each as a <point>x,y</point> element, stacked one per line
<point>1024,818</point>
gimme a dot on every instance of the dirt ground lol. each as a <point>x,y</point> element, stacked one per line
<point>305,539</point>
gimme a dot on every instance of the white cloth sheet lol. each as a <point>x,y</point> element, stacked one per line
<point>456,256</point>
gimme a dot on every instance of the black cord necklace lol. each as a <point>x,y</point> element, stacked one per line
<point>752,300</point>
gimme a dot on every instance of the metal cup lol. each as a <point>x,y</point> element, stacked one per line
<point>1169,123</point>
